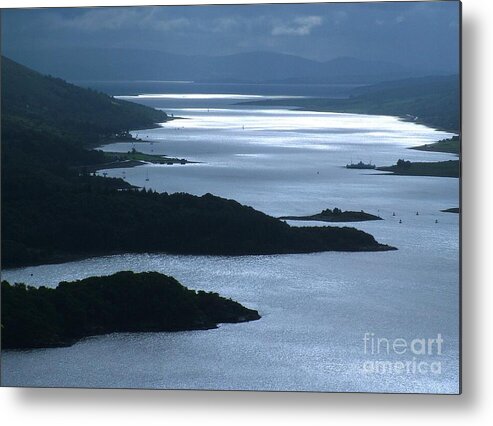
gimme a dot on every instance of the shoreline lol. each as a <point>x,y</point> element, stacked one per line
<point>307,242</point>
<point>73,257</point>
<point>162,159</point>
<point>292,107</point>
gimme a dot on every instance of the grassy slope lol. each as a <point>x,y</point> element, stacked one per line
<point>451,146</point>
<point>135,158</point>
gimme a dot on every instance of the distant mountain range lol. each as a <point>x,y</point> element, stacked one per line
<point>266,67</point>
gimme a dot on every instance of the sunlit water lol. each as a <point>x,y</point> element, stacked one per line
<point>316,308</point>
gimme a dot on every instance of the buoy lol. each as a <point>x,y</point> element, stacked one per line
<point>393,214</point>
<point>436,220</point>
<point>417,213</point>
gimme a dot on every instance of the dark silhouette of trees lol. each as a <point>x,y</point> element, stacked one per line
<point>403,164</point>
<point>123,302</point>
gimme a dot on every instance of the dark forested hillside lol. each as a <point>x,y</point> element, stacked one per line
<point>53,210</point>
<point>33,100</point>
<point>47,124</point>
<point>434,101</point>
<point>123,302</point>
<point>90,219</point>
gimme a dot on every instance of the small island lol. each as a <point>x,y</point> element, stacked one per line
<point>336,215</point>
<point>451,210</point>
<point>123,302</point>
<point>450,168</point>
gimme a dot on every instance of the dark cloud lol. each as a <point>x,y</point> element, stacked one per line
<point>411,33</point>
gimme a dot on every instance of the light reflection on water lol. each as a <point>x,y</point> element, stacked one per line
<point>202,96</point>
<point>315,307</point>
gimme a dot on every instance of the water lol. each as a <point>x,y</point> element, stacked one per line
<point>316,308</point>
<point>180,88</point>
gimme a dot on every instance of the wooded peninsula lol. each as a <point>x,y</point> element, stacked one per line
<point>49,317</point>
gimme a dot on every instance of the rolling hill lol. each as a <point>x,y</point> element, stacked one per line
<point>33,100</point>
<point>434,101</point>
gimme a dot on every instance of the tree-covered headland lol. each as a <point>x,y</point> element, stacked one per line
<point>123,302</point>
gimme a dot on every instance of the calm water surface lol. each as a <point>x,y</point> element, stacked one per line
<point>316,308</point>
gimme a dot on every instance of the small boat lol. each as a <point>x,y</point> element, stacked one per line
<point>360,165</point>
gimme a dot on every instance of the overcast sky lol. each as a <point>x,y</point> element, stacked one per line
<point>421,34</point>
